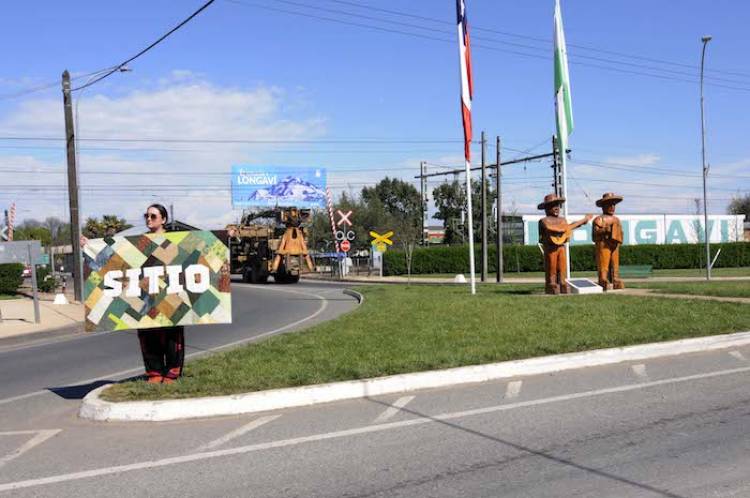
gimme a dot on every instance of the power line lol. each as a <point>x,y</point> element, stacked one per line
<point>503,42</point>
<point>158,41</point>
<point>533,38</point>
<point>47,86</point>
<point>474,45</point>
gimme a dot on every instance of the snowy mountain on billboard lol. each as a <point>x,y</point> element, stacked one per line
<point>290,190</point>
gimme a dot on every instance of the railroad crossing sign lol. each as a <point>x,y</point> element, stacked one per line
<point>343,218</point>
<point>380,241</point>
<point>345,246</point>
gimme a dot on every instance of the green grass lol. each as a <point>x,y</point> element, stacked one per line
<point>7,296</point>
<point>410,329</point>
<point>727,288</point>
<point>717,272</point>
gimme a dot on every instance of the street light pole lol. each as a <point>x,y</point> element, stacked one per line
<point>705,41</point>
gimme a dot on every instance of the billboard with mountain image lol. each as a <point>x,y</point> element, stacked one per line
<point>265,186</point>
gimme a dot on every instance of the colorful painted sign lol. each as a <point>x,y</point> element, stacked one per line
<point>156,280</point>
<point>268,186</point>
<point>653,229</point>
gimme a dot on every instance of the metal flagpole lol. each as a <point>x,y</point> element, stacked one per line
<point>470,221</point>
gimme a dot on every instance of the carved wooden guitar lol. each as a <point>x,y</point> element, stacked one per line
<point>564,237</point>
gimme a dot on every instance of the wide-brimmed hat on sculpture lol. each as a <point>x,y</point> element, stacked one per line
<point>550,200</point>
<point>609,198</point>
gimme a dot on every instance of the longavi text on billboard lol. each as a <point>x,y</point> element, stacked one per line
<point>278,186</point>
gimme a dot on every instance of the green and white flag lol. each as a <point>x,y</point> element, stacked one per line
<point>563,106</point>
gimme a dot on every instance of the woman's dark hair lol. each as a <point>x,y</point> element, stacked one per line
<point>162,211</point>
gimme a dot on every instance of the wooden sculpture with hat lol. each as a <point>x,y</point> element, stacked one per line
<point>607,235</point>
<point>554,232</point>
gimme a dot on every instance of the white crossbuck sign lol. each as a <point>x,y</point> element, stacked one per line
<point>343,218</point>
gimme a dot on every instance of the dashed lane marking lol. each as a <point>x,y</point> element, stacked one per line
<point>513,389</point>
<point>39,438</point>
<point>196,457</point>
<point>640,371</point>
<point>393,409</point>
<point>238,432</point>
<point>738,355</point>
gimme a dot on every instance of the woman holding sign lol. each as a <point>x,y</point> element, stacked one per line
<point>163,349</point>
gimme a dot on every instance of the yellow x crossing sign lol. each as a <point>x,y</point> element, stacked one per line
<point>380,241</point>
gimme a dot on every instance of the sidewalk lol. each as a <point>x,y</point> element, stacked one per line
<point>18,316</point>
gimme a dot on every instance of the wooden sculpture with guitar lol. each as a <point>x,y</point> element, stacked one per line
<point>554,232</point>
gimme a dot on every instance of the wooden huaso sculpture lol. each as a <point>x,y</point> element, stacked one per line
<point>554,232</point>
<point>607,235</point>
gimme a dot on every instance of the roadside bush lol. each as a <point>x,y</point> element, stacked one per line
<point>10,277</point>
<point>455,259</point>
<point>45,281</point>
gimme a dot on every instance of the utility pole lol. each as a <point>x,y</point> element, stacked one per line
<point>422,197</point>
<point>484,208</point>
<point>499,214</point>
<point>75,224</point>
<point>171,215</point>
<point>557,183</point>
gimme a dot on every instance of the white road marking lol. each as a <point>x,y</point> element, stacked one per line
<point>323,306</point>
<point>640,370</point>
<point>39,438</point>
<point>195,457</point>
<point>513,389</point>
<point>392,410</point>
<point>238,432</point>
<point>738,355</point>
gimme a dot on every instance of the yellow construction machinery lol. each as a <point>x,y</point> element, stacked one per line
<point>271,242</point>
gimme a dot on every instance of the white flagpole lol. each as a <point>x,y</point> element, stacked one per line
<point>564,169</point>
<point>470,220</point>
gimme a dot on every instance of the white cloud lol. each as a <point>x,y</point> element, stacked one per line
<point>647,159</point>
<point>195,176</point>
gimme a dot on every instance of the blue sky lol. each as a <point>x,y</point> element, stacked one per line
<point>244,70</point>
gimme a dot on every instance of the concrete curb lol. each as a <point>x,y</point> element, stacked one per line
<point>94,408</point>
<point>356,295</point>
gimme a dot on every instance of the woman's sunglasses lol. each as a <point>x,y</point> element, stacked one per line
<point>150,216</point>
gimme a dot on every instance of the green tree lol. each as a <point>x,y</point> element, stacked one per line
<point>740,204</point>
<point>397,198</point>
<point>95,228</point>
<point>450,202</point>
<point>32,230</point>
<point>394,204</point>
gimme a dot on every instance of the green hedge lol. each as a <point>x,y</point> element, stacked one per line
<point>455,259</point>
<point>10,277</point>
<point>45,281</point>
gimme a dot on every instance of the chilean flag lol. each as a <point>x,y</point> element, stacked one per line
<point>467,90</point>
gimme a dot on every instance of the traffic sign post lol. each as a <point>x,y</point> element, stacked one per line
<point>345,246</point>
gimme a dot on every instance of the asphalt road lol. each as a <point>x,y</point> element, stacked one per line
<point>69,364</point>
<point>673,427</point>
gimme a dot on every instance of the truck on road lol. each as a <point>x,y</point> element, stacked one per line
<point>270,243</point>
